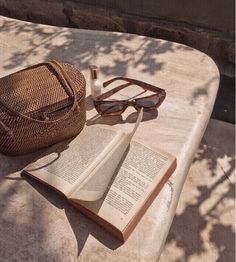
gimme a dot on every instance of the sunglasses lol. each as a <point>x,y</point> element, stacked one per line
<point>117,107</point>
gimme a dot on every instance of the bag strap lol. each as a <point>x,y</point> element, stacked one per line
<point>6,129</point>
<point>67,82</point>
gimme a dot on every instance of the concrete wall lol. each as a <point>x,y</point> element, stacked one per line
<point>206,25</point>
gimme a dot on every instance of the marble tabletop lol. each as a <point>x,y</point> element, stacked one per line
<point>37,224</point>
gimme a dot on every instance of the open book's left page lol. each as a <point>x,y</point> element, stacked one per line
<point>62,166</point>
<point>69,166</point>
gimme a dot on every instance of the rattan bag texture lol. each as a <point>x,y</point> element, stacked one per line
<point>40,106</point>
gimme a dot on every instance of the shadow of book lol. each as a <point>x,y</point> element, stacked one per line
<point>80,224</point>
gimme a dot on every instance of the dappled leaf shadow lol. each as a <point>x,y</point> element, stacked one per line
<point>71,47</point>
<point>223,238</point>
<point>188,227</point>
<point>202,90</point>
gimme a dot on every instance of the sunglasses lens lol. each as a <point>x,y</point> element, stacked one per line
<point>111,108</point>
<point>148,102</point>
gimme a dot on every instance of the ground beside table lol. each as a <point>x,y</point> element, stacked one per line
<point>36,223</point>
<point>208,201</point>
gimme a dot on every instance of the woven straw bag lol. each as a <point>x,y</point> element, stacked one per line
<point>40,106</point>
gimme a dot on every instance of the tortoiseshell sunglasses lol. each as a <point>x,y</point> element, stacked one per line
<point>117,107</point>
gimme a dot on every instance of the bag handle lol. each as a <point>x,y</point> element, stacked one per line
<point>5,128</point>
<point>69,84</point>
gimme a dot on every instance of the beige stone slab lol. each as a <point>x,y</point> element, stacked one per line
<point>37,224</point>
<point>204,225</point>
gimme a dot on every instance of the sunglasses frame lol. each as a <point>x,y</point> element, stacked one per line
<point>98,101</point>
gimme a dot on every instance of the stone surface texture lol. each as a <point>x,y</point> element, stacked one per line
<point>205,25</point>
<point>204,225</point>
<point>37,224</point>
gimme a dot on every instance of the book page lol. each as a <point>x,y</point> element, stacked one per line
<point>139,174</point>
<point>68,165</point>
<point>64,164</point>
<point>96,183</point>
<point>95,186</point>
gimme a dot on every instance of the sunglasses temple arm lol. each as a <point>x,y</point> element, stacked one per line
<point>113,91</point>
<point>105,84</point>
<point>136,82</point>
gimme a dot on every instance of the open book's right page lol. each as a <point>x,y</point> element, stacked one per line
<point>138,175</point>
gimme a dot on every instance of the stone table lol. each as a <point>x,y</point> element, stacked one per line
<point>37,224</point>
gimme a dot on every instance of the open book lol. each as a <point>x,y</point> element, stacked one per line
<point>108,177</point>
